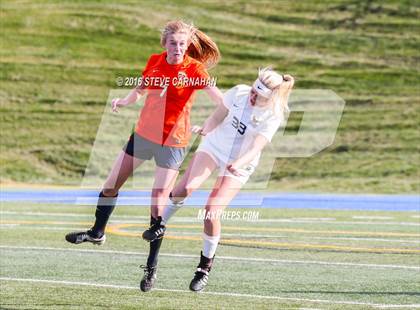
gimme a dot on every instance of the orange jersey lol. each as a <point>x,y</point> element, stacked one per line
<point>165,117</point>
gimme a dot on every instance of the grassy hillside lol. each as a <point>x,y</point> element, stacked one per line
<point>59,59</point>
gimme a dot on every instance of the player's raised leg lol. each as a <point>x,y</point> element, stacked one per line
<point>201,167</point>
<point>122,169</point>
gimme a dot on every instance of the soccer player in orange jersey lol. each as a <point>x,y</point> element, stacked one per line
<point>163,128</point>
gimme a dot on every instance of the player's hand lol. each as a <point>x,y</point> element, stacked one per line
<point>197,130</point>
<point>117,102</point>
<point>235,170</point>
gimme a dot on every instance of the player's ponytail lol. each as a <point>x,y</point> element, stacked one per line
<point>201,46</point>
<point>281,86</point>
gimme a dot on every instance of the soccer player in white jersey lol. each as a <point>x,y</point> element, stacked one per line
<point>234,136</point>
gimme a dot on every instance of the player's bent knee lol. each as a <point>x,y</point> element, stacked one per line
<point>109,192</point>
<point>182,193</point>
<point>212,219</point>
<point>159,192</point>
<point>212,227</point>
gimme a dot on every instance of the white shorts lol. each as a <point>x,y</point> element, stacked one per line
<point>247,171</point>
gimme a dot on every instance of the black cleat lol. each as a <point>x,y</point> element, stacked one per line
<point>84,236</point>
<point>149,278</point>
<point>155,231</point>
<point>201,277</point>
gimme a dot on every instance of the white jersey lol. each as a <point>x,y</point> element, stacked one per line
<point>235,135</point>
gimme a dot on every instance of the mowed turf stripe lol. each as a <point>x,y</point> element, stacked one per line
<point>116,230</point>
<point>233,258</point>
<point>226,227</point>
<point>260,220</point>
<point>227,294</point>
<point>44,222</point>
<point>176,232</point>
<point>287,245</point>
<point>293,230</point>
<point>238,235</point>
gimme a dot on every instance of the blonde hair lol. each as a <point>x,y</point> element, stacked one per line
<point>281,86</point>
<point>201,47</point>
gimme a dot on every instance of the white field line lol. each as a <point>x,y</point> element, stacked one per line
<point>338,222</point>
<point>196,219</point>
<point>365,239</point>
<point>314,218</point>
<point>52,228</point>
<point>324,301</point>
<point>174,232</point>
<point>234,258</point>
<point>367,217</point>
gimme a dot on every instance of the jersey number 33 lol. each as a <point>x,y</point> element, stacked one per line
<point>241,127</point>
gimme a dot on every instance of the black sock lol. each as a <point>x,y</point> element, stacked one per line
<point>103,211</point>
<point>205,262</point>
<point>152,260</point>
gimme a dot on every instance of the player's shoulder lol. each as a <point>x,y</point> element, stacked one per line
<point>155,58</point>
<point>235,95</point>
<point>153,62</point>
<point>242,90</point>
<point>237,92</point>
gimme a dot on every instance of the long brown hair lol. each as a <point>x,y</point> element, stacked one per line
<point>201,47</point>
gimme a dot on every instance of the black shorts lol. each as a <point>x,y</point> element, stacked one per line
<point>165,156</point>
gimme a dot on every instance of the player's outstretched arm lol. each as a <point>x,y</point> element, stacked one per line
<point>215,94</point>
<point>131,98</point>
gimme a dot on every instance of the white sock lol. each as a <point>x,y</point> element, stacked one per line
<point>170,210</point>
<point>210,245</point>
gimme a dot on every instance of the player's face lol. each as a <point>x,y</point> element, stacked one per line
<point>257,100</point>
<point>176,45</point>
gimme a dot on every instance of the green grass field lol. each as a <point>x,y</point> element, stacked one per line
<point>60,59</point>
<point>288,259</point>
